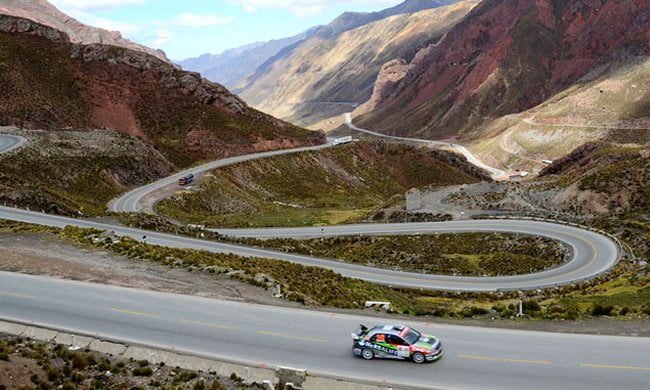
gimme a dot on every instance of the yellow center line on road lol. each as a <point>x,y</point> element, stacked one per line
<point>497,359</point>
<point>135,313</point>
<point>291,337</point>
<point>635,368</point>
<point>209,324</point>
<point>17,295</point>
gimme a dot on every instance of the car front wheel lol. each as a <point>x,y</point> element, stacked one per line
<point>367,354</point>
<point>418,358</point>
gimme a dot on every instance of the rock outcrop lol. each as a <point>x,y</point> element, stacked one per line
<point>387,80</point>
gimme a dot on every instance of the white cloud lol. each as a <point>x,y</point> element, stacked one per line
<point>162,38</point>
<point>187,19</point>
<point>108,24</point>
<point>305,8</point>
<point>157,33</point>
<point>70,5</point>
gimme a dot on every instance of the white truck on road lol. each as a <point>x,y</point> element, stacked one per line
<point>343,140</point>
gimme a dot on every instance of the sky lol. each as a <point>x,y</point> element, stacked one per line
<point>188,28</point>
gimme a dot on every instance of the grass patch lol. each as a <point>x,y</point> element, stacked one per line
<point>454,254</point>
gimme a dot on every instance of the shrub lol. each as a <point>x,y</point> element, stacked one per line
<point>531,306</point>
<point>600,310</point>
<point>79,361</point>
<point>78,377</point>
<point>200,385</point>
<point>143,363</point>
<point>96,384</point>
<point>53,375</point>
<point>142,371</point>
<point>4,356</point>
<point>104,366</point>
<point>69,386</point>
<point>185,376</point>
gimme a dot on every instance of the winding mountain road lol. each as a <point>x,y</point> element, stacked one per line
<point>494,172</point>
<point>591,253</point>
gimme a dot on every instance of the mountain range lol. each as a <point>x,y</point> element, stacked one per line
<point>233,66</point>
<point>528,79</point>
<point>324,77</point>
<point>518,81</point>
<point>507,56</point>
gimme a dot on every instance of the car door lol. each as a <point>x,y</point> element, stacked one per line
<point>380,345</point>
<point>402,347</point>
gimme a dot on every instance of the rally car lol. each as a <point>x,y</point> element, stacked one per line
<point>395,342</point>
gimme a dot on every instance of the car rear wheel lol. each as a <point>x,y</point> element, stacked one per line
<point>418,358</point>
<point>367,354</point>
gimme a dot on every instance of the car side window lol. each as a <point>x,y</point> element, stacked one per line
<point>378,338</point>
<point>396,340</point>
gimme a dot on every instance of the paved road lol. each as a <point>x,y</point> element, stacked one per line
<point>592,252</point>
<point>475,358</point>
<point>132,201</point>
<point>10,142</point>
<point>494,172</point>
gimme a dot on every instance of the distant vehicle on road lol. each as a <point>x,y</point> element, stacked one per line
<point>343,140</point>
<point>398,342</point>
<point>185,180</point>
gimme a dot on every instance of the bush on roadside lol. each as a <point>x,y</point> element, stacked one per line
<point>601,310</point>
<point>142,371</point>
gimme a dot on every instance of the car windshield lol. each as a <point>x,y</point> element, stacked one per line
<point>412,336</point>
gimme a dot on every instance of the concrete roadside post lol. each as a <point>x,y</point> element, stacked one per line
<point>74,346</point>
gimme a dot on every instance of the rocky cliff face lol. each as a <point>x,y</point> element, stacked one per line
<point>51,83</point>
<point>507,56</point>
<point>43,12</point>
<point>387,80</point>
<point>326,76</point>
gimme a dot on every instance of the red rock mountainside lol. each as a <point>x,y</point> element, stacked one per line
<point>48,82</point>
<point>507,56</point>
<point>45,13</point>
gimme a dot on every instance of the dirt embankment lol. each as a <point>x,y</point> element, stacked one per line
<point>39,254</point>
